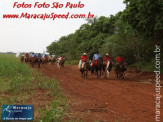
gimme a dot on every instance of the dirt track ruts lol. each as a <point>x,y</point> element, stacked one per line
<point>107,100</point>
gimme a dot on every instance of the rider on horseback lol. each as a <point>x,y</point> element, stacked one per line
<point>106,59</point>
<point>120,60</point>
<point>27,55</point>
<point>39,56</point>
<point>96,57</point>
<point>83,59</point>
<point>22,57</point>
<point>32,56</point>
<point>120,67</point>
<point>53,56</point>
<point>45,56</point>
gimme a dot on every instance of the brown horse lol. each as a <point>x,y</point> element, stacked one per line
<point>22,58</point>
<point>60,62</point>
<point>120,69</point>
<point>85,68</point>
<point>26,59</point>
<point>98,67</point>
<point>32,61</point>
<point>44,61</point>
<point>52,60</point>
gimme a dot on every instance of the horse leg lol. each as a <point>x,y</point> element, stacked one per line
<point>32,63</point>
<point>107,73</point>
<point>38,63</point>
<point>86,73</point>
<point>82,74</point>
<point>116,72</point>
<point>96,72</point>
<point>100,73</point>
<point>121,75</point>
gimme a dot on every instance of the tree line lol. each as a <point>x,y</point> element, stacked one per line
<point>133,33</point>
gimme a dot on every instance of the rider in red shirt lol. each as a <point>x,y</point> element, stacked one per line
<point>106,59</point>
<point>84,57</point>
<point>45,56</point>
<point>120,59</point>
<point>27,55</point>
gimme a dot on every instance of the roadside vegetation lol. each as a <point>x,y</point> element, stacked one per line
<point>133,33</point>
<point>21,85</point>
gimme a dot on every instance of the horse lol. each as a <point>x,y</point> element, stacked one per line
<point>38,61</point>
<point>44,61</point>
<point>85,68</point>
<point>98,66</point>
<point>60,62</point>
<point>22,58</point>
<point>107,68</point>
<point>26,59</point>
<point>52,60</point>
<point>32,61</point>
<point>120,69</point>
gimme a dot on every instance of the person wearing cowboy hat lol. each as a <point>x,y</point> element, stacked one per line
<point>106,59</point>
<point>83,59</point>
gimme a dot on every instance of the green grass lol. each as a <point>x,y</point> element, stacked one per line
<point>10,67</point>
<point>13,74</point>
<point>19,81</point>
<point>144,66</point>
<point>72,62</point>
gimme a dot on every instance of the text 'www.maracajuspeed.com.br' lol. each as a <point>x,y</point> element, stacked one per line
<point>45,16</point>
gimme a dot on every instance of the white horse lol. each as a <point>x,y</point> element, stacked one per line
<point>60,62</point>
<point>108,68</point>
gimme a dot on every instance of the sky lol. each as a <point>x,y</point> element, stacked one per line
<point>26,35</point>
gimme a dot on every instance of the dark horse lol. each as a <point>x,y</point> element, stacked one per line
<point>98,67</point>
<point>22,58</point>
<point>35,61</point>
<point>38,61</point>
<point>84,70</point>
<point>52,60</point>
<point>60,62</point>
<point>44,61</point>
<point>26,59</point>
<point>120,69</point>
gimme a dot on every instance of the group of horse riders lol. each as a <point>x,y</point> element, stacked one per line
<point>96,56</point>
<point>120,63</point>
<point>34,58</point>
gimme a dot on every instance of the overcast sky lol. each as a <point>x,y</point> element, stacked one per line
<point>23,35</point>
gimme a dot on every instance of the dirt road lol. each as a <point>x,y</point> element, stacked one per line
<point>105,100</point>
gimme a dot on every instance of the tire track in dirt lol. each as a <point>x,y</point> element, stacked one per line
<point>105,99</point>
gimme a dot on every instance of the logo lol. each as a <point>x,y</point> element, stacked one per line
<point>17,112</point>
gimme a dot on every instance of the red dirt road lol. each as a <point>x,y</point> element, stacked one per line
<point>105,100</point>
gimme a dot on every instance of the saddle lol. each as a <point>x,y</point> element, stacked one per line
<point>94,63</point>
<point>81,66</point>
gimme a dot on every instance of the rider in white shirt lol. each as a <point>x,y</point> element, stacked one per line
<point>53,56</point>
<point>32,55</point>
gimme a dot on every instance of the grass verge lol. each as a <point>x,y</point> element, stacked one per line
<point>21,85</point>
